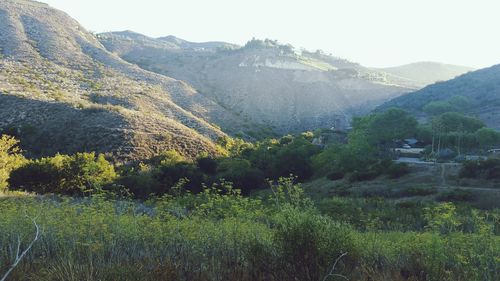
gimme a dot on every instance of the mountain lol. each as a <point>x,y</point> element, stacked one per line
<point>265,81</point>
<point>475,93</point>
<point>421,74</point>
<point>62,91</point>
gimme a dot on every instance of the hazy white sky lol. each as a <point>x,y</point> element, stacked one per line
<point>372,32</point>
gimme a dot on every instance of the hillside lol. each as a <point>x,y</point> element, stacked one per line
<point>478,90</point>
<point>62,91</point>
<point>426,73</point>
<point>264,81</point>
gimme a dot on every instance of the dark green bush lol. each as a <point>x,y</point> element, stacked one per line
<point>207,165</point>
<point>489,169</point>
<point>363,175</point>
<point>241,173</point>
<point>456,195</point>
<point>79,174</point>
<point>335,176</point>
<point>397,170</point>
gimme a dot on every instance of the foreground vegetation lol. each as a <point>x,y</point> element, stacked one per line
<point>220,235</point>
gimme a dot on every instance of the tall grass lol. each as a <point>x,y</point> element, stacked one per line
<point>220,235</point>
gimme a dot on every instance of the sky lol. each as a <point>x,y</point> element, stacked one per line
<point>375,33</point>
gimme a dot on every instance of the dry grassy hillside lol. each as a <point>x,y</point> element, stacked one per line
<point>264,81</point>
<point>61,90</point>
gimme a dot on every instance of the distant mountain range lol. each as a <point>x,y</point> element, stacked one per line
<point>63,89</point>
<point>478,93</point>
<point>271,83</point>
<point>422,74</point>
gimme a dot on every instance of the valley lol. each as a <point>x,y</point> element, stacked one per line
<point>130,157</point>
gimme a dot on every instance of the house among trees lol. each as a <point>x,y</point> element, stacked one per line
<point>409,148</point>
<point>414,143</point>
<point>494,151</point>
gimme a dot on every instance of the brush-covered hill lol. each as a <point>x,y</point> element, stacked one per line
<point>421,74</point>
<point>62,91</point>
<point>264,81</point>
<point>476,93</point>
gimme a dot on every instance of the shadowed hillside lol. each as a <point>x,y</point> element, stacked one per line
<point>475,93</point>
<point>48,61</point>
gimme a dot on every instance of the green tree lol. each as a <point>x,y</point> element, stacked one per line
<point>10,158</point>
<point>438,107</point>
<point>456,122</point>
<point>487,137</point>
<point>392,124</point>
<point>294,158</point>
<point>168,158</point>
<point>241,173</point>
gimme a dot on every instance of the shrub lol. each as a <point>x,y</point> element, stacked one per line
<point>168,176</point>
<point>207,165</point>
<point>80,174</point>
<point>489,169</point>
<point>397,170</point>
<point>363,175</point>
<point>140,181</point>
<point>241,174</point>
<point>168,158</point>
<point>456,195</point>
<point>335,176</point>
<point>308,244</point>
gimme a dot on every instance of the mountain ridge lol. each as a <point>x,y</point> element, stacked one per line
<point>424,73</point>
<point>265,81</point>
<point>49,58</point>
<point>480,89</point>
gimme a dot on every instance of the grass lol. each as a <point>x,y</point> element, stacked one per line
<point>224,236</point>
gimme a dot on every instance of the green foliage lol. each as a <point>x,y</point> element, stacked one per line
<point>168,158</point>
<point>456,195</point>
<point>294,158</point>
<point>438,107</point>
<point>82,173</point>
<point>207,165</point>
<point>391,124</point>
<point>453,104</point>
<point>487,137</point>
<point>488,169</point>
<point>442,218</point>
<point>456,122</point>
<point>232,147</point>
<point>241,173</point>
<point>308,244</point>
<point>218,234</point>
<point>397,170</point>
<point>10,158</point>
